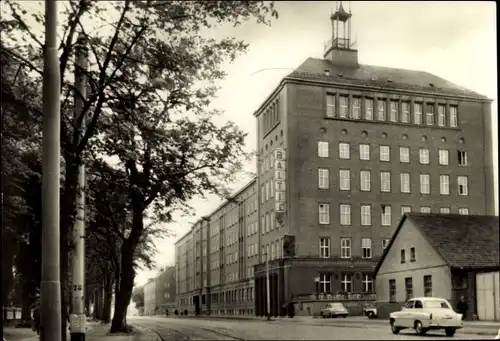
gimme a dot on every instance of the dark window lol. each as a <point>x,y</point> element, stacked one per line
<point>409,287</point>
<point>403,258</point>
<point>462,158</point>
<point>412,254</point>
<point>428,286</point>
<point>418,305</point>
<point>392,290</point>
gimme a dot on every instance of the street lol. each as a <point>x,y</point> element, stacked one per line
<point>179,329</point>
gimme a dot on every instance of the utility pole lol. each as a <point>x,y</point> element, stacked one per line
<point>268,289</point>
<point>78,318</point>
<point>50,289</point>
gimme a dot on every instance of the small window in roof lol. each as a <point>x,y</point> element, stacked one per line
<point>340,74</point>
<point>389,80</point>
<point>432,84</point>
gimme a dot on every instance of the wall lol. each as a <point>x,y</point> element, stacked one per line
<point>307,126</point>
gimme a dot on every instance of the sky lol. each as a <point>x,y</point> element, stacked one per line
<point>453,40</point>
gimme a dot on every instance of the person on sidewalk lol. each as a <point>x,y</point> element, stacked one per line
<point>462,307</point>
<point>36,317</point>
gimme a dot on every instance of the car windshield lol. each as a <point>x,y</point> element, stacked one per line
<point>436,304</point>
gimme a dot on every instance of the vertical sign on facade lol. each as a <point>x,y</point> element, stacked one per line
<point>280,179</point>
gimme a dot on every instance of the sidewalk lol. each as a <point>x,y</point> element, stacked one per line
<point>95,332</point>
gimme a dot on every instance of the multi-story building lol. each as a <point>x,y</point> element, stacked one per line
<point>345,150</point>
<point>150,297</point>
<point>165,290</point>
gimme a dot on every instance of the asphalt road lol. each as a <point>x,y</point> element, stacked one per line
<point>178,329</point>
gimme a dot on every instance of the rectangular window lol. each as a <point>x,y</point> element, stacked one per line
<point>441,115</point>
<point>428,286</point>
<point>425,184</point>
<point>392,290</point>
<point>330,105</point>
<point>367,283</point>
<point>369,109</point>
<point>404,154</point>
<point>429,114</point>
<point>324,247</point>
<point>365,181</point>
<point>462,158</point>
<point>325,283</point>
<point>463,186</point>
<point>408,288</point>
<point>444,210</point>
<point>385,181</point>
<point>424,156</point>
<point>385,153</point>
<point>356,108</point>
<point>444,184</point>
<point>346,282</point>
<point>463,211</point>
<point>425,209</point>
<point>345,179</point>
<point>381,110</point>
<point>364,152</point>
<point>366,247</point>
<point>345,214</point>
<point>323,178</point>
<point>345,247</point>
<point>417,113</point>
<point>405,209</point>
<point>385,243</point>
<point>394,111</point>
<point>366,215</point>
<point>405,112</point>
<point>405,183</point>
<point>412,254</point>
<point>403,256</point>
<point>322,149</point>
<point>444,157</point>
<point>324,214</point>
<point>268,222</point>
<point>344,103</point>
<point>386,215</point>
<point>344,151</point>
<point>453,116</point>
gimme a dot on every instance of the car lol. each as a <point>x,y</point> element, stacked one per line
<point>424,314</point>
<point>334,310</point>
<point>371,312</point>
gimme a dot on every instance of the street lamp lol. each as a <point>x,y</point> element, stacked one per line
<point>316,280</point>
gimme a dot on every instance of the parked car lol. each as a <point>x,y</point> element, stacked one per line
<point>371,312</point>
<point>424,314</point>
<point>334,310</point>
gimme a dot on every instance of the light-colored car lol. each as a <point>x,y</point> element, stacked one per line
<point>371,312</point>
<point>334,310</point>
<point>424,314</point>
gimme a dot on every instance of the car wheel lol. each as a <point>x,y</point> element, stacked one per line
<point>450,331</point>
<point>394,329</point>
<point>344,316</point>
<point>371,315</point>
<point>419,328</point>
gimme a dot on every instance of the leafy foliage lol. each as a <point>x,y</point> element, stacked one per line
<point>152,75</point>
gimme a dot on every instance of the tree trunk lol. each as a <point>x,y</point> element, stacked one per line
<point>123,296</point>
<point>108,297</point>
<point>26,302</point>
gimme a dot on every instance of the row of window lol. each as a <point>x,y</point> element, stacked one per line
<point>385,153</point>
<point>233,296</point>
<point>366,213</point>
<point>427,281</point>
<point>385,182</point>
<point>346,247</point>
<point>346,280</point>
<point>266,191</point>
<point>396,111</point>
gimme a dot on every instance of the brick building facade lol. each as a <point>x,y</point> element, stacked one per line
<point>345,150</point>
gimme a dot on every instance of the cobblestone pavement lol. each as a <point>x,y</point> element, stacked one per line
<point>174,329</point>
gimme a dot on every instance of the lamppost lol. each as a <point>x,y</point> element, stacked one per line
<point>316,280</point>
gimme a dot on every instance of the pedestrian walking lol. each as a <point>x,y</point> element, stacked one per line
<point>36,317</point>
<point>462,307</point>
